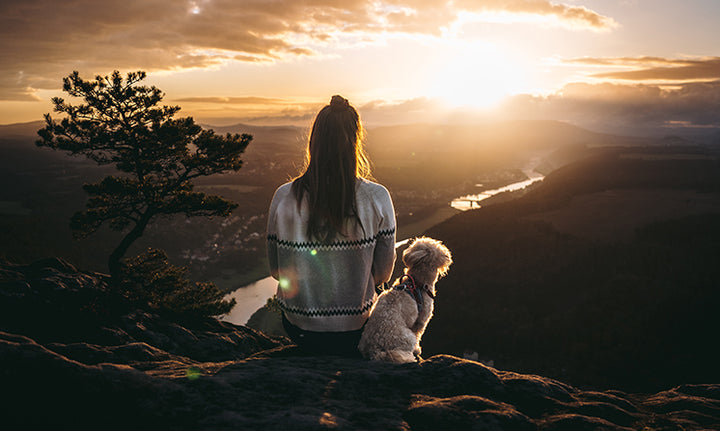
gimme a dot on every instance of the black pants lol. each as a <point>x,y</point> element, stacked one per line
<point>324,343</point>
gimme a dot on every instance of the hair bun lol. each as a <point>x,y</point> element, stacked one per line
<point>338,103</point>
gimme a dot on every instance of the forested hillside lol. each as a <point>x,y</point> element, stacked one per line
<point>604,274</point>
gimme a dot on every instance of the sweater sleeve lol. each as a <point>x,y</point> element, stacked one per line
<point>384,253</point>
<point>272,231</point>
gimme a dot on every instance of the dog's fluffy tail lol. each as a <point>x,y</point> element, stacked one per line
<point>394,356</point>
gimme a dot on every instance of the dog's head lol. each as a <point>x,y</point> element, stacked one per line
<point>427,254</point>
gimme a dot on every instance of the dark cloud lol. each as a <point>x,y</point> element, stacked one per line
<point>688,70</point>
<point>655,68</point>
<point>43,40</point>
<point>628,61</point>
<point>646,95</point>
<point>635,108</point>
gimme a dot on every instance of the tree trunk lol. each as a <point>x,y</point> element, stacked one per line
<point>114,260</point>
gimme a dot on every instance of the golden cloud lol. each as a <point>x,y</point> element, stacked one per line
<point>43,40</point>
<point>246,100</point>
<point>572,16</point>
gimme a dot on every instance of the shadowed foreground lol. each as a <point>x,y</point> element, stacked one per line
<point>143,371</point>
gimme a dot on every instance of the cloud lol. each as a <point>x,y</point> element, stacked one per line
<point>625,108</point>
<point>567,15</point>
<point>685,71</point>
<point>247,100</point>
<point>218,110</point>
<point>611,107</point>
<point>655,68</point>
<point>626,61</point>
<point>43,40</point>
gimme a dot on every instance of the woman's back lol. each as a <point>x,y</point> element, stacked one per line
<point>331,236</point>
<point>330,285</point>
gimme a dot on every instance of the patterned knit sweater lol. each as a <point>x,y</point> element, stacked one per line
<point>331,287</point>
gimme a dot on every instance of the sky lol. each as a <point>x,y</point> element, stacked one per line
<point>631,66</point>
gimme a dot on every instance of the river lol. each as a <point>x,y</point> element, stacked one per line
<point>473,201</point>
<point>255,295</point>
<point>249,299</point>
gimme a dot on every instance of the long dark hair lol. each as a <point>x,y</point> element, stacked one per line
<point>335,159</point>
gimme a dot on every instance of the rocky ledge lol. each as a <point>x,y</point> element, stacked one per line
<point>142,371</point>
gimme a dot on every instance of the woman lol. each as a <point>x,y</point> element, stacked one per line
<point>331,237</point>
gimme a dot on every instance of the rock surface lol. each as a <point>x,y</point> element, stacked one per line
<point>144,371</point>
<point>139,385</point>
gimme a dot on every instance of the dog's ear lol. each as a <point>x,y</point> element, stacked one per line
<point>430,252</point>
<point>416,252</point>
<point>442,259</point>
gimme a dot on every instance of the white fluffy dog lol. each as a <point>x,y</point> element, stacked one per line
<point>401,314</point>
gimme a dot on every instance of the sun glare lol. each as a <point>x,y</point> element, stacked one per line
<point>476,74</point>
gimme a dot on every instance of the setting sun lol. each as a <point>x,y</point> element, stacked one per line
<point>475,74</point>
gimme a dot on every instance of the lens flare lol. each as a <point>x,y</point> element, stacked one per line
<point>193,373</point>
<point>288,285</point>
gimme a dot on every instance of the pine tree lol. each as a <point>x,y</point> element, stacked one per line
<point>158,156</point>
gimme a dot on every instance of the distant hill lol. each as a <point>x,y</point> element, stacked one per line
<point>530,134</point>
<point>271,145</point>
<point>21,130</point>
<point>288,134</point>
<point>604,274</point>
